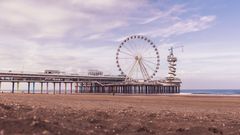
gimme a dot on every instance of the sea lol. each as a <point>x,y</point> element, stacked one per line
<point>211,91</point>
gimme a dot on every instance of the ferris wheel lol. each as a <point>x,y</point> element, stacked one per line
<point>138,58</point>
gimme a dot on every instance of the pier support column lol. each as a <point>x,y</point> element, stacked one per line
<point>154,89</point>
<point>65,84</point>
<point>17,86</point>
<point>47,87</point>
<point>13,87</point>
<point>120,89</point>
<point>28,87</point>
<point>71,87</point>
<point>101,88</point>
<point>116,89</point>
<point>147,89</point>
<point>41,87</point>
<point>82,87</point>
<point>54,88</point>
<point>59,91</point>
<point>178,89</point>
<point>76,88</point>
<point>93,87</point>
<point>33,87</point>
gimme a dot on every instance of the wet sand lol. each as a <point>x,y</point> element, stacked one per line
<point>122,115</point>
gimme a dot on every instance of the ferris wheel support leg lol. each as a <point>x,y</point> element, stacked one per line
<point>131,70</point>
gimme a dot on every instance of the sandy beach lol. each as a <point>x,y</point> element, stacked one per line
<point>107,114</point>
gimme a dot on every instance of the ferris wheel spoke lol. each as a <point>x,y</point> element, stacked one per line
<point>149,57</point>
<point>143,70</point>
<point>129,50</point>
<point>126,53</point>
<point>149,66</point>
<point>131,46</point>
<point>149,61</point>
<point>126,58</point>
<point>136,46</point>
<point>146,51</point>
<point>145,46</point>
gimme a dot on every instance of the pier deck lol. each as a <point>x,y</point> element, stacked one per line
<point>65,84</point>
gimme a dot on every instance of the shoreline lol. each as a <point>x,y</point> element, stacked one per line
<point>121,94</point>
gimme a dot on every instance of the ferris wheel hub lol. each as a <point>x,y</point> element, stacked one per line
<point>138,57</point>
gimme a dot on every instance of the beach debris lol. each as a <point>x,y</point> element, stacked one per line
<point>2,132</point>
<point>45,132</point>
<point>215,130</point>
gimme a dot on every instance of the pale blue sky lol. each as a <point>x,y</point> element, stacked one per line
<point>77,35</point>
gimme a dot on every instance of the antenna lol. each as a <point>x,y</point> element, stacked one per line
<point>175,47</point>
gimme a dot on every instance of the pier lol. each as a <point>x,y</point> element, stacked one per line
<point>72,84</point>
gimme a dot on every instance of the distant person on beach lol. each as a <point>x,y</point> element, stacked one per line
<point>113,93</point>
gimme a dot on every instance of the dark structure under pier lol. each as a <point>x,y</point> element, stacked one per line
<point>144,88</point>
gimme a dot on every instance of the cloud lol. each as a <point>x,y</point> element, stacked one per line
<point>77,19</point>
<point>48,19</point>
<point>170,14</point>
<point>77,35</point>
<point>183,26</point>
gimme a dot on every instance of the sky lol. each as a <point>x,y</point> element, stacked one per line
<point>78,35</point>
